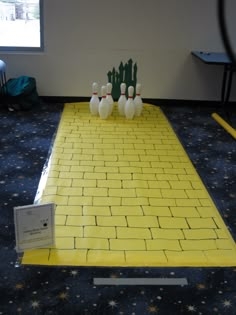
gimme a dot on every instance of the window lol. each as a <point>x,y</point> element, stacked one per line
<point>21,26</point>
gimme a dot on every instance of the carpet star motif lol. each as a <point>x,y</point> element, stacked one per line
<point>227,303</point>
<point>35,304</point>
<point>191,308</point>
<point>112,303</point>
<point>152,309</point>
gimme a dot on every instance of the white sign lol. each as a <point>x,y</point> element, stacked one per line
<point>34,226</point>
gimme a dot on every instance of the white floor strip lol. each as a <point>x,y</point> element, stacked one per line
<point>140,281</point>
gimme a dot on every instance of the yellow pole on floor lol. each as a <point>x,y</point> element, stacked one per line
<point>225,125</point>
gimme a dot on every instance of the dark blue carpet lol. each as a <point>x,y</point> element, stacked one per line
<point>25,140</point>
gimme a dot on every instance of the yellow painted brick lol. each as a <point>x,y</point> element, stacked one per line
<point>64,243</point>
<point>94,175</point>
<point>200,234</point>
<point>68,162</point>
<point>163,244</point>
<point>69,191</point>
<point>113,152</point>
<point>115,192</point>
<point>162,202</point>
<point>59,182</point>
<point>71,175</point>
<point>184,212</point>
<point>130,169</point>
<point>91,243</point>
<point>169,158</point>
<point>172,223</point>
<point>198,244</point>
<point>117,163</point>
<point>99,231</point>
<point>173,193</point>
<point>145,177</point>
<point>206,202</point>
<point>197,193</point>
<point>186,258</point>
<point>65,257</point>
<point>163,165</point>
<point>82,157</point>
<point>69,210</point>
<point>180,185</point>
<point>176,171</point>
<point>206,211</point>
<point>84,183</point>
<point>106,201</point>
<point>197,185</point>
<point>145,221</point>
<point>112,158</point>
<point>127,146</point>
<point>91,163</point>
<point>225,244</point>
<point>105,258</point>
<point>51,190</point>
<point>221,233</point>
<point>60,219</point>
<point>95,151</point>
<point>144,146</point>
<point>206,223</point>
<point>149,158</point>
<point>167,233</point>
<point>221,257</point>
<point>65,231</point>
<point>134,184</point>
<point>58,200</point>
<point>53,174</point>
<point>190,178</point>
<point>141,201</point>
<point>152,170</point>
<point>126,210</point>
<point>81,168</point>
<point>105,169</point>
<point>158,184</point>
<point>78,220</point>
<point>109,183</point>
<point>95,191</point>
<point>80,201</point>
<point>148,193</point>
<point>36,257</point>
<point>62,156</point>
<point>61,168</point>
<point>141,164</point>
<point>93,210</point>
<point>167,177</point>
<point>133,233</point>
<point>187,202</point>
<point>127,244</point>
<point>156,211</point>
<point>145,258</point>
<point>73,151</point>
<point>111,221</point>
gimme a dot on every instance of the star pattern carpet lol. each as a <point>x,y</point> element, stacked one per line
<point>26,138</point>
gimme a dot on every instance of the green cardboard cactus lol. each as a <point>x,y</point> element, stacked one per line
<point>127,73</point>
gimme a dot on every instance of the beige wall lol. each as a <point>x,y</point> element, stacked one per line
<point>84,39</point>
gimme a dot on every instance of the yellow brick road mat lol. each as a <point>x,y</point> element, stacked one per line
<point>127,194</point>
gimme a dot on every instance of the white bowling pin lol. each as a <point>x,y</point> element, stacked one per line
<point>122,99</point>
<point>103,107</point>
<point>110,98</point>
<point>129,105</point>
<point>138,100</point>
<point>94,101</point>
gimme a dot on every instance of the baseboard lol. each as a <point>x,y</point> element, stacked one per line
<point>154,101</point>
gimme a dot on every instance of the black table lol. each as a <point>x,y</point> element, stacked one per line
<point>219,58</point>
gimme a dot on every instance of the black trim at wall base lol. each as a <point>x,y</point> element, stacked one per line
<point>154,101</point>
